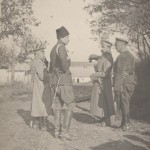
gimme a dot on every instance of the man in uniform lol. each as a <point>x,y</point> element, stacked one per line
<point>62,84</point>
<point>108,103</point>
<point>104,102</point>
<point>124,79</point>
<point>41,99</point>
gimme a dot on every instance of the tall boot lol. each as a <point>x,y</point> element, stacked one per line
<point>129,125</point>
<point>35,124</point>
<point>108,123</point>
<point>123,120</point>
<point>43,123</point>
<point>40,123</point>
<point>124,126</point>
<point>57,122</point>
<point>66,124</point>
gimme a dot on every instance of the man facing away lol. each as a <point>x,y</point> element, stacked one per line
<point>62,84</point>
<point>124,80</point>
<point>41,98</point>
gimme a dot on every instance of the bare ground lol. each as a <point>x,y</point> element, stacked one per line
<point>15,133</point>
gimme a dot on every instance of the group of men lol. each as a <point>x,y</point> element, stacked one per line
<point>123,82</point>
<point>53,86</point>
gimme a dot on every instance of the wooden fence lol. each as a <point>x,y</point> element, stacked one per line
<point>22,76</point>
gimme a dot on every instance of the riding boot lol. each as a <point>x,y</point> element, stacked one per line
<point>125,125</point>
<point>35,124</point>
<point>123,120</point>
<point>107,121</point>
<point>40,123</point>
<point>57,122</point>
<point>44,123</point>
<point>66,124</point>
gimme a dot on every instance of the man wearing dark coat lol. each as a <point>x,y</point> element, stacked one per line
<point>102,104</point>
<point>62,84</point>
<point>108,103</point>
<point>124,79</point>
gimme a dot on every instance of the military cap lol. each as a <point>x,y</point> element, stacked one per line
<point>93,57</point>
<point>62,32</point>
<point>105,41</point>
<point>39,49</point>
<point>122,40</point>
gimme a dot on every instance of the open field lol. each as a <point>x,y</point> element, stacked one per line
<point>15,133</point>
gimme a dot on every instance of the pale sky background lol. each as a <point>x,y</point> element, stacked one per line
<point>69,13</point>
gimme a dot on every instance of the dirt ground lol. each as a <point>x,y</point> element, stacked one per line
<point>15,133</point>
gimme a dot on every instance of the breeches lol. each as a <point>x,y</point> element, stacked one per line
<point>125,98</point>
<point>60,104</point>
<point>64,98</point>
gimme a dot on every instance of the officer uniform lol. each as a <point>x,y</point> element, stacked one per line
<point>41,98</point>
<point>101,98</point>
<point>62,85</point>
<point>124,81</point>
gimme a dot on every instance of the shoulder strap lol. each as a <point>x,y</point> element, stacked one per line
<point>57,48</point>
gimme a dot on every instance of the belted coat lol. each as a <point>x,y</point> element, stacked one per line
<point>102,104</point>
<point>41,98</point>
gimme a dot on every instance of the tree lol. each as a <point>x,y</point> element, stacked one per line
<point>4,57</point>
<point>16,17</point>
<point>125,16</point>
<point>15,21</point>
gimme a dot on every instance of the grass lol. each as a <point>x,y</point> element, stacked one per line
<point>15,92</point>
<point>140,102</point>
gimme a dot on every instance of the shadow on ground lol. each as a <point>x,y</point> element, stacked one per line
<point>137,139</point>
<point>83,109</point>
<point>25,114</point>
<point>84,118</point>
<point>118,145</point>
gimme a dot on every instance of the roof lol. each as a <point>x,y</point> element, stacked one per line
<point>85,64</point>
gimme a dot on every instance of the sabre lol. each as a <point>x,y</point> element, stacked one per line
<point>53,104</point>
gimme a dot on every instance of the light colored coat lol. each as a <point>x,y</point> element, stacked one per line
<point>41,99</point>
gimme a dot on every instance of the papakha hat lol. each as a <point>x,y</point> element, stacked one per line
<point>62,32</point>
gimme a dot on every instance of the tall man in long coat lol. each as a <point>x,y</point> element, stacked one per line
<point>124,79</point>
<point>62,84</point>
<point>102,104</point>
<point>41,99</point>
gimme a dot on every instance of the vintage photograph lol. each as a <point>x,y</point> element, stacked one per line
<point>74,74</point>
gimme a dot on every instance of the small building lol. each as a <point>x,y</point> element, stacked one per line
<point>22,74</point>
<point>81,71</point>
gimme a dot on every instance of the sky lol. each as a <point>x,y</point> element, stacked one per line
<point>69,13</point>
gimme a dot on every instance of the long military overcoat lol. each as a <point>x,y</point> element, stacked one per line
<point>102,104</point>
<point>108,103</point>
<point>41,99</point>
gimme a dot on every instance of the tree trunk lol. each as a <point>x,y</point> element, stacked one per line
<point>138,47</point>
<point>144,49</point>
<point>148,46</point>
<point>13,71</point>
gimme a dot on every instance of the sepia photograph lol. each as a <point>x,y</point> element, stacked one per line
<point>74,74</point>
